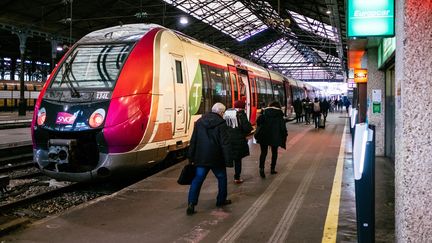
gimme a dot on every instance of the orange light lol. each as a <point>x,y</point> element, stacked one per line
<point>97,118</point>
<point>360,75</point>
<point>41,117</point>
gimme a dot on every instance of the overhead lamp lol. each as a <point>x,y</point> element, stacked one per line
<point>328,12</point>
<point>184,21</point>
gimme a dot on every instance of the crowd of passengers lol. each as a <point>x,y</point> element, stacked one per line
<point>317,110</point>
<point>219,141</point>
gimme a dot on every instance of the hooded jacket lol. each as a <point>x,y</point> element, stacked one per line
<point>272,128</point>
<point>238,133</point>
<point>209,145</point>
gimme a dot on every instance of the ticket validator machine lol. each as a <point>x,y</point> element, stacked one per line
<point>364,175</point>
<point>353,120</point>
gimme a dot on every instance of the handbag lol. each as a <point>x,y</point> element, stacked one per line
<point>187,174</point>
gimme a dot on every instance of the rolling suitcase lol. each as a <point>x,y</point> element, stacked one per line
<point>321,123</point>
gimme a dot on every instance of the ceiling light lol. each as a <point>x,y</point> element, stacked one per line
<point>183,20</point>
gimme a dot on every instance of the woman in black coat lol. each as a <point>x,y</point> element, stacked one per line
<point>271,132</point>
<point>240,127</point>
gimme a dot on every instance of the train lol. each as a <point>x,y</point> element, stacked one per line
<point>10,94</point>
<point>125,97</point>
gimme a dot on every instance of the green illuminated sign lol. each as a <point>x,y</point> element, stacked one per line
<point>370,18</point>
<point>385,49</point>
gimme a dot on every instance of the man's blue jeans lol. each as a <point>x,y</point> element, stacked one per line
<point>201,173</point>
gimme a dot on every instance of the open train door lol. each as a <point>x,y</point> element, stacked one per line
<point>180,116</point>
<point>253,97</point>
<point>244,89</point>
<point>235,92</point>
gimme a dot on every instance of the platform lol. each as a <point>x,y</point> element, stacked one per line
<point>291,206</point>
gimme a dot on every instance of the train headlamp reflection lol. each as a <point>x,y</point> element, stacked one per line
<point>97,118</point>
<point>41,117</point>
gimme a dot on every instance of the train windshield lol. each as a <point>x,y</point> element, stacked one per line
<point>92,66</point>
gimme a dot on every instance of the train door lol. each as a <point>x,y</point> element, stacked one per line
<point>235,94</point>
<point>289,110</point>
<point>253,97</point>
<point>178,72</point>
<point>245,92</point>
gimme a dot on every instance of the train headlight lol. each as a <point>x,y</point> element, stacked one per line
<point>97,118</point>
<point>41,117</point>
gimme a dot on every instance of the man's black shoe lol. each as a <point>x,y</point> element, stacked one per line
<point>262,174</point>
<point>190,209</point>
<point>221,204</point>
<point>273,172</point>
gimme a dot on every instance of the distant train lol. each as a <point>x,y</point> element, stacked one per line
<point>125,97</point>
<point>10,94</point>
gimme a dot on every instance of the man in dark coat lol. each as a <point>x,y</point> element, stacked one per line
<point>271,132</point>
<point>298,109</point>
<point>240,127</point>
<point>210,150</point>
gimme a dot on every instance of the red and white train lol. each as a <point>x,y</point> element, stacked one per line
<point>124,97</point>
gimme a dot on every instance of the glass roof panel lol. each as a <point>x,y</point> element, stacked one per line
<point>315,26</point>
<point>280,52</point>
<point>285,58</point>
<point>229,16</point>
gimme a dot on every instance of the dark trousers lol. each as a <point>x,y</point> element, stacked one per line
<point>237,169</point>
<point>317,118</point>
<point>201,173</point>
<point>298,117</point>
<point>264,150</point>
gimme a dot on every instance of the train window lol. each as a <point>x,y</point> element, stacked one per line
<point>206,103</point>
<point>217,85</point>
<point>179,73</point>
<point>92,66</point>
<point>269,91</point>
<point>279,93</point>
<point>261,92</point>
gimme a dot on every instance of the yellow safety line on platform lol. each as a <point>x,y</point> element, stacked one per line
<point>331,223</point>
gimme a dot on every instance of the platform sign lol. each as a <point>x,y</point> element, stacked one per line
<point>360,75</point>
<point>370,18</point>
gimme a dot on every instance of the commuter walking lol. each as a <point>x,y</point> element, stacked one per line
<point>325,106</point>
<point>316,112</point>
<point>210,150</point>
<point>240,127</point>
<point>307,107</point>
<point>298,109</point>
<point>346,103</point>
<point>271,131</point>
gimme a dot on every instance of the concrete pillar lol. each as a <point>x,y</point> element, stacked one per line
<point>376,81</point>
<point>413,163</point>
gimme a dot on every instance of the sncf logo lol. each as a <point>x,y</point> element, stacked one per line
<point>65,118</point>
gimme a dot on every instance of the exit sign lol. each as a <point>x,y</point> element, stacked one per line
<point>370,18</point>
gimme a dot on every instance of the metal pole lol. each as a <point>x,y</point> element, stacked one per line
<point>22,101</point>
<point>54,44</point>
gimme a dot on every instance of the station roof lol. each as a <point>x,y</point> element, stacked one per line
<point>304,39</point>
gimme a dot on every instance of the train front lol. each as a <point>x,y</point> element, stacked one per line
<point>93,111</point>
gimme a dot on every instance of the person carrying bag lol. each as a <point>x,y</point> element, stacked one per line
<point>271,132</point>
<point>240,127</point>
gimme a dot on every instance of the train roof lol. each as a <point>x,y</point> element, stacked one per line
<point>134,32</point>
<point>121,33</point>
